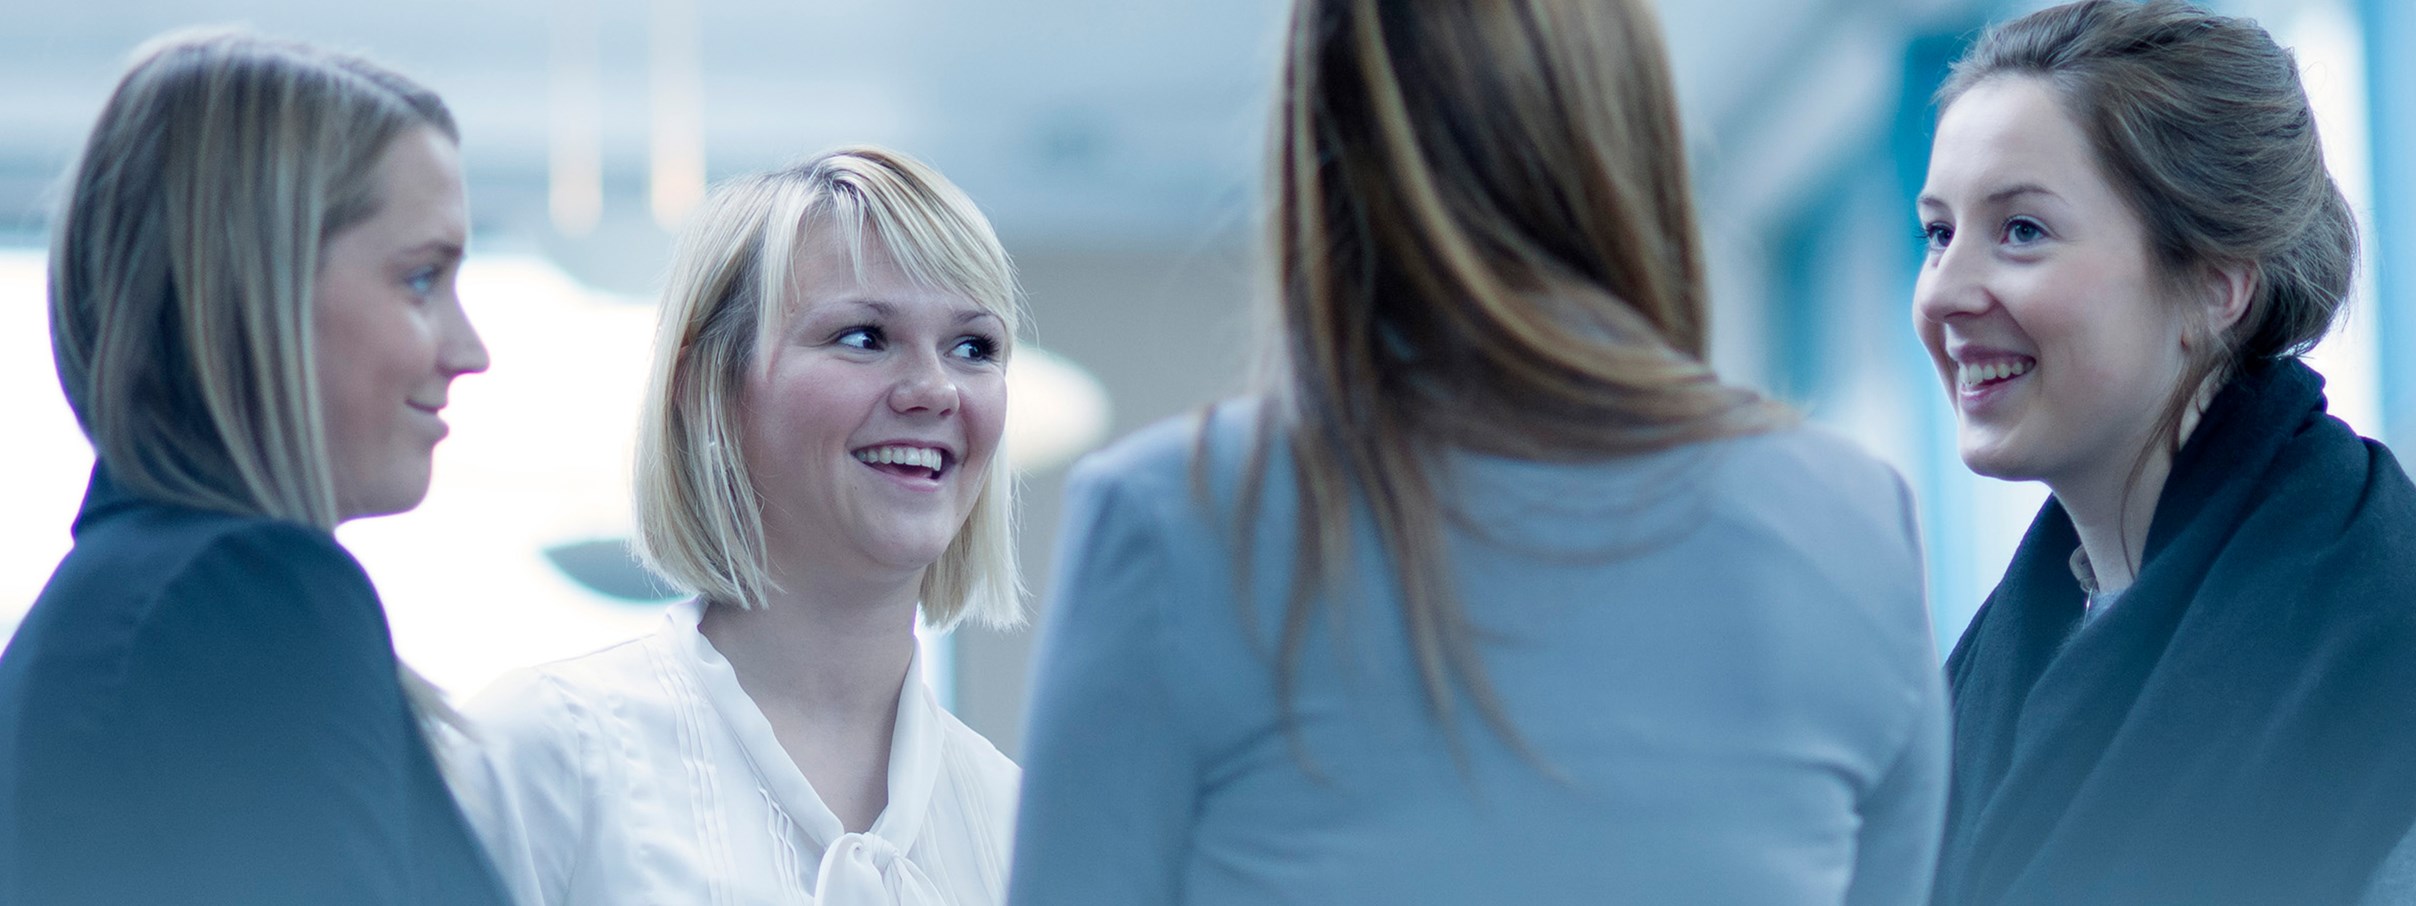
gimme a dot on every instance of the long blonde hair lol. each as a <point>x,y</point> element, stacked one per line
<point>700,520</point>
<point>1483,241</point>
<point>181,270</point>
<point>182,267</point>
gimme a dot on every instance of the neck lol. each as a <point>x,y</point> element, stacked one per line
<point>2112,517</point>
<point>2112,513</point>
<point>830,650</point>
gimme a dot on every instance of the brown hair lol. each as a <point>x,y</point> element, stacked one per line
<point>1483,241</point>
<point>181,269</point>
<point>2203,127</point>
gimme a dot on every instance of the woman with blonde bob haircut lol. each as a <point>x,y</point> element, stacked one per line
<point>253,311</point>
<point>1494,593</point>
<point>818,454</point>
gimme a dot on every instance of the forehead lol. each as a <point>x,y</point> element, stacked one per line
<point>2007,131</point>
<point>419,187</point>
<point>832,267</point>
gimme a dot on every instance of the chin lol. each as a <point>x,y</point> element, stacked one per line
<point>903,549</point>
<point>385,499</point>
<point>1993,461</point>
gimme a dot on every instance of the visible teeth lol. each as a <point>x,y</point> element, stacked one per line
<point>924,457</point>
<point>1971,375</point>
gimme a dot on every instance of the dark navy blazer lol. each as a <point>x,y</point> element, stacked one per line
<point>203,707</point>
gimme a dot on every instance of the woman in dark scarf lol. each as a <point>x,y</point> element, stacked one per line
<point>2192,685</point>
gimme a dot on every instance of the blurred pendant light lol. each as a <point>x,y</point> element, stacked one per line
<point>676,168</point>
<point>575,134</point>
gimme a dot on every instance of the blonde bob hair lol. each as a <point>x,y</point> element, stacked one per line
<point>700,519</point>
<point>182,265</point>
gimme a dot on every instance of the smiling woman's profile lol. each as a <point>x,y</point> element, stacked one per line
<point>255,323</point>
<point>2183,689</point>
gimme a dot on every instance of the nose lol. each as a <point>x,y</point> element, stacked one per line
<point>924,385</point>
<point>1952,282</point>
<point>459,350</point>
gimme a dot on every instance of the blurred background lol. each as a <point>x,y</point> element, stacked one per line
<point>1116,145</point>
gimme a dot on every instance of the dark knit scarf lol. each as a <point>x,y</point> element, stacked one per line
<point>2238,728</point>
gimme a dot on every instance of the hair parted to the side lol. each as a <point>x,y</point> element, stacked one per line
<point>699,516</point>
<point>1483,240</point>
<point>2202,125</point>
<point>182,265</point>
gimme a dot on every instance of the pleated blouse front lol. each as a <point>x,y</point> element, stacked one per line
<point>643,773</point>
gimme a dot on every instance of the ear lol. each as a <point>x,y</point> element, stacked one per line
<point>2226,290</point>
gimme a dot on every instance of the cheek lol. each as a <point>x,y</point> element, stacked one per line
<point>985,414</point>
<point>353,365</point>
<point>2108,339</point>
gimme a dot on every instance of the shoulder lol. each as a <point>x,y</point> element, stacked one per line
<point>161,553</point>
<point>532,741</point>
<point>543,775</point>
<point>986,782</point>
<point>1818,459</point>
<point>1810,484</point>
<point>973,756</point>
<point>155,575</point>
<point>548,700</point>
<point>1810,512</point>
<point>1167,452</point>
<point>1169,471</point>
<point>169,605</point>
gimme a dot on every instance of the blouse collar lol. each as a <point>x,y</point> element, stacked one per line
<point>914,748</point>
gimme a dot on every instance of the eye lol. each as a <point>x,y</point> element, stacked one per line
<point>2023,231</point>
<point>422,281</point>
<point>1936,234</point>
<point>865,337</point>
<point>976,348</point>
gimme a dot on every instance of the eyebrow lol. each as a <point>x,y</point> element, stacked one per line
<point>1999,196</point>
<point>445,247</point>
<point>2010,193</point>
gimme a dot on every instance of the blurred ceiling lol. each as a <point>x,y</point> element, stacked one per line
<point>1078,123</point>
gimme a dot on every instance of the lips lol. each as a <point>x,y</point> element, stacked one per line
<point>433,414</point>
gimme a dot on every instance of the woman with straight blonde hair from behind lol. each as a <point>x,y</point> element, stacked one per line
<point>252,306</point>
<point>1494,593</point>
<point>818,462</point>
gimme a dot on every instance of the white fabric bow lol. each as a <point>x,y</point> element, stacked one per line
<point>863,870</point>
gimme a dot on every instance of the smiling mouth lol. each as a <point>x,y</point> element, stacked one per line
<point>906,460</point>
<point>1971,376</point>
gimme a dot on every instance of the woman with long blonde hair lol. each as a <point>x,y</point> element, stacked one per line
<point>1495,592</point>
<point>253,310</point>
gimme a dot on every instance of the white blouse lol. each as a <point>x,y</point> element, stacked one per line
<point>642,773</point>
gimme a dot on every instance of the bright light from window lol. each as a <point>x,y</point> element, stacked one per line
<point>2324,36</point>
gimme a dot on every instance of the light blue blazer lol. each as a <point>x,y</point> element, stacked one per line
<point>1719,654</point>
